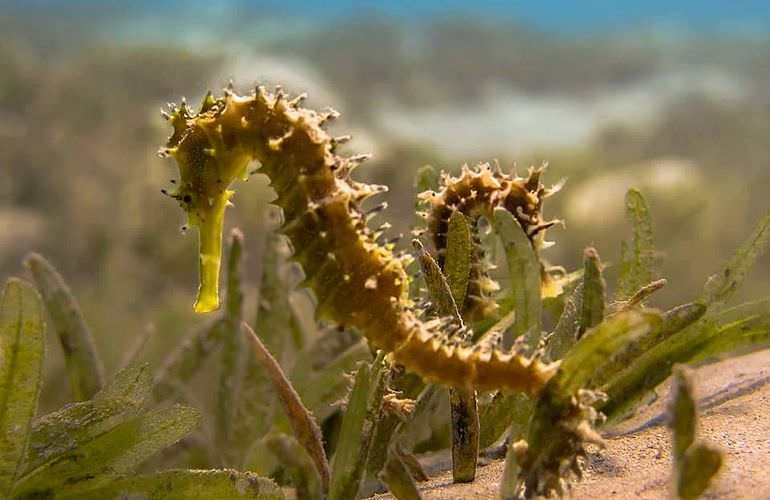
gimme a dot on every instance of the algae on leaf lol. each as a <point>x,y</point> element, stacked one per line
<point>465,433</point>
<point>447,289</point>
<point>699,465</point>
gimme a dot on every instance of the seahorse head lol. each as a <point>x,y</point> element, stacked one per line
<point>207,167</point>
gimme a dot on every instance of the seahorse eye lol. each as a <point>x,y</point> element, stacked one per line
<point>187,198</point>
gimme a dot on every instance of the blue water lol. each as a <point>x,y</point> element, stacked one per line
<point>721,16</point>
<point>564,16</point>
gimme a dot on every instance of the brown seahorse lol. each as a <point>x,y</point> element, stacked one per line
<point>357,281</point>
<point>475,193</point>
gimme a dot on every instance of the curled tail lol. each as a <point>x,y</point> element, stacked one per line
<point>357,281</point>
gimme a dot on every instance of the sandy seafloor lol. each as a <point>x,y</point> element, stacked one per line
<point>735,414</point>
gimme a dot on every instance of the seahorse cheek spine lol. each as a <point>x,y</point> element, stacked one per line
<point>357,282</point>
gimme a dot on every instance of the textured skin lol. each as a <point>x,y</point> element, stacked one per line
<point>476,193</point>
<point>357,281</point>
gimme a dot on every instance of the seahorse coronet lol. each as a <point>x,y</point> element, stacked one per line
<point>357,281</point>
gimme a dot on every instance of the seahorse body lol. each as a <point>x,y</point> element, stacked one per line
<point>476,193</point>
<point>357,282</point>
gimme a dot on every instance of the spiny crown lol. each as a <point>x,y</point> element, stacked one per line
<point>208,162</point>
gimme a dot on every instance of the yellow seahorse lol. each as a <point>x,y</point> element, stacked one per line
<point>357,282</point>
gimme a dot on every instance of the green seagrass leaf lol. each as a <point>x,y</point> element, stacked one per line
<point>229,388</point>
<point>721,286</point>
<point>185,361</point>
<point>637,264</point>
<point>274,312</point>
<point>84,367</point>
<point>524,271</point>
<point>322,387</point>
<point>598,347</point>
<point>673,321</point>
<point>398,479</point>
<point>302,422</point>
<point>438,288</point>
<point>684,416</point>
<point>698,467</point>
<point>458,257</point>
<point>742,327</point>
<point>426,178</point>
<point>592,310</point>
<point>429,404</point>
<point>22,338</point>
<point>297,463</point>
<point>214,484</point>
<point>565,332</point>
<point>56,434</point>
<point>110,455</point>
<point>718,331</point>
<point>358,426</point>
<point>504,410</point>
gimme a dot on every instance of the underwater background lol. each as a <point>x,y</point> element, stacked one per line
<point>668,97</point>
